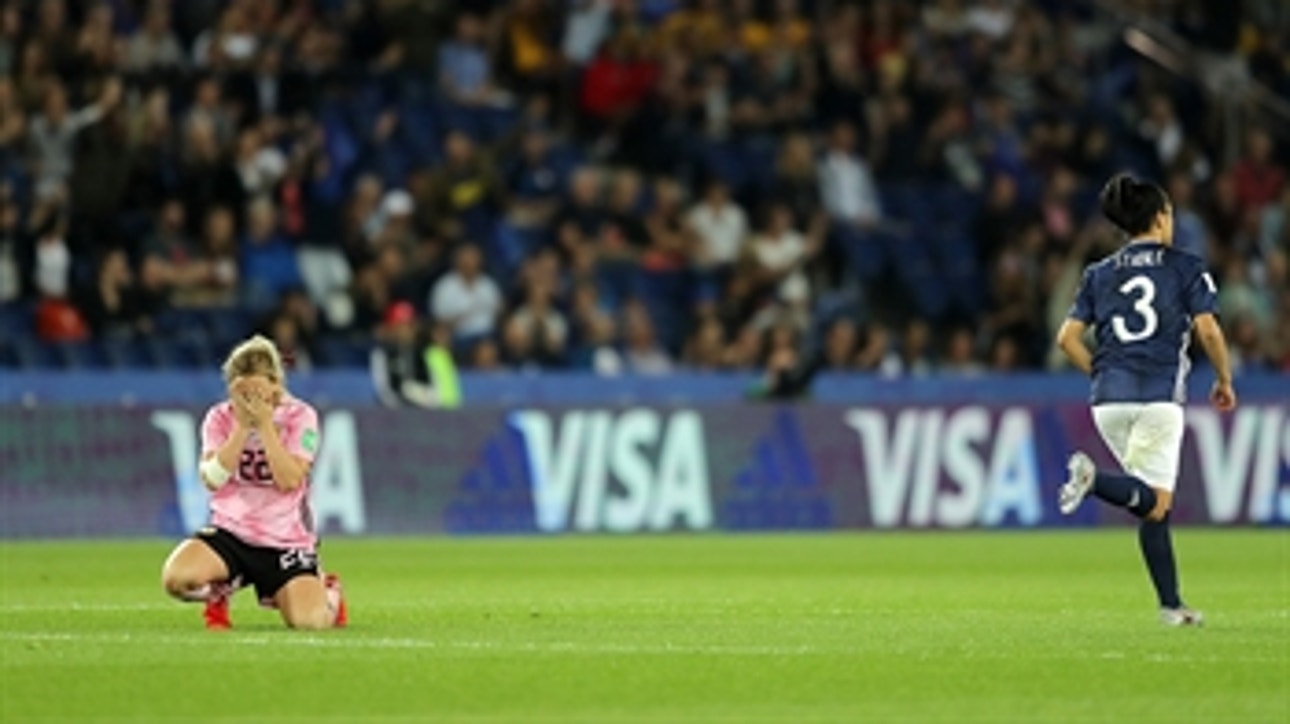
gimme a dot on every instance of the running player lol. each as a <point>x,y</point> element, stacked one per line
<point>257,448</point>
<point>1143,301</point>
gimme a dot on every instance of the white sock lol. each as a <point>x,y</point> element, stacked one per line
<point>333,602</point>
<point>201,593</point>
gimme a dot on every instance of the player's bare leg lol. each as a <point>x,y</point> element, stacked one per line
<point>194,572</point>
<point>312,603</point>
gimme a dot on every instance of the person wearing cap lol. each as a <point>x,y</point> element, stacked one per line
<point>409,369</point>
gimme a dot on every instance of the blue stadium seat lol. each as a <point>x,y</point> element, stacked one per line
<point>666,295</point>
<point>125,353</point>
<point>80,355</point>
<point>16,320</point>
<point>344,351</point>
<point>226,325</point>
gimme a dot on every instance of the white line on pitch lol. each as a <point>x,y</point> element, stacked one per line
<point>341,640</point>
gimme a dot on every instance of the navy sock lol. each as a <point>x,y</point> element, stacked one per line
<point>1125,491</point>
<point>1158,552</point>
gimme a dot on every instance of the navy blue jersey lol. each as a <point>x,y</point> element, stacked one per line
<point>1141,301</point>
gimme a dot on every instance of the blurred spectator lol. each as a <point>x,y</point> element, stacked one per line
<point>669,240</point>
<point>705,349</point>
<point>1005,355</point>
<point>465,71</point>
<point>1274,231</point>
<point>1248,347</point>
<point>285,332</point>
<point>10,36</point>
<point>991,18</point>
<point>542,325</point>
<point>11,253</point>
<point>1162,128</point>
<point>878,354</point>
<point>846,183</point>
<point>1190,232</point>
<point>1258,179</point>
<point>215,278</point>
<point>698,28</point>
<point>155,46</point>
<point>586,25</point>
<point>796,182</point>
<point>52,260</point>
<point>1240,297</point>
<point>208,109</point>
<point>613,86</point>
<point>466,188</point>
<point>533,181</point>
<point>206,177</point>
<point>466,299</point>
<point>719,226</point>
<point>529,55</point>
<point>115,306</point>
<point>409,367</point>
<point>916,350</point>
<point>840,345</point>
<point>173,252</point>
<point>53,132</point>
<point>268,261</point>
<point>379,137</point>
<point>259,165</point>
<point>578,224</point>
<point>783,253</point>
<point>1000,220</point>
<point>960,355</point>
<point>231,42</point>
<point>642,354</point>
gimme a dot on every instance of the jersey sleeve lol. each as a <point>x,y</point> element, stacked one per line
<point>302,434</point>
<point>1082,308</point>
<point>216,428</point>
<point>1201,295</point>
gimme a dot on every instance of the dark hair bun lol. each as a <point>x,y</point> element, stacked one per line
<point>1131,204</point>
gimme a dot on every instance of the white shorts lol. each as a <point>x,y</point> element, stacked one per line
<point>1146,437</point>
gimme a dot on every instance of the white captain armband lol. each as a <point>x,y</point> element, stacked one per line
<point>212,473</point>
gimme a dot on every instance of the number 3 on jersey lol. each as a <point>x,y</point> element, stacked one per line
<point>1144,292</point>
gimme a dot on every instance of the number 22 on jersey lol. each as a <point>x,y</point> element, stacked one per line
<point>253,467</point>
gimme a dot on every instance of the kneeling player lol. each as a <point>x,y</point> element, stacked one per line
<point>257,448</point>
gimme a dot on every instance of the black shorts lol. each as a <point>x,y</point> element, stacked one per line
<point>268,569</point>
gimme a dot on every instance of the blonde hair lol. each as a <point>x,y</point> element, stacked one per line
<point>256,356</point>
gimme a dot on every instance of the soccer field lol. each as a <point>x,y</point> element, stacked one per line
<point>846,628</point>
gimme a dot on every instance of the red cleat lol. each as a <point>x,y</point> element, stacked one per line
<point>332,583</point>
<point>216,613</point>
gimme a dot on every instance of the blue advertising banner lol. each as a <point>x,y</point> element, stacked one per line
<point>100,471</point>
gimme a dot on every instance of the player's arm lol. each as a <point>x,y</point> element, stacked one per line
<point>1212,341</point>
<point>1201,299</point>
<point>289,471</point>
<point>1070,338</point>
<point>219,461</point>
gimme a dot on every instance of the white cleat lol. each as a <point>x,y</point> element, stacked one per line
<point>1080,471</point>
<point>1181,616</point>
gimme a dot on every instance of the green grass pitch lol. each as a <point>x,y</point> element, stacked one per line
<point>981,627</point>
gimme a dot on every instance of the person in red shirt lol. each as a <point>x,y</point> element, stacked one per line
<point>615,83</point>
<point>1258,178</point>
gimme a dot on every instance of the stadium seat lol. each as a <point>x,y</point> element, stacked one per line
<point>80,355</point>
<point>344,351</point>
<point>16,319</point>
<point>125,353</point>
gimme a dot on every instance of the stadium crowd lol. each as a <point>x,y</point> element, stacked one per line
<point>898,187</point>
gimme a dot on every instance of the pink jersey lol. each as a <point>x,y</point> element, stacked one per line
<point>249,506</point>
